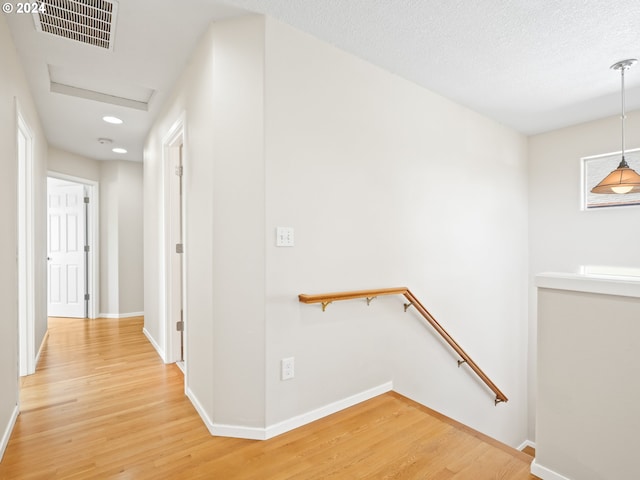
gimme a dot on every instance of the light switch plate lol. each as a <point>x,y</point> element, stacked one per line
<point>284,237</point>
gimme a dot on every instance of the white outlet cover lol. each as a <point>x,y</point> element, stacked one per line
<point>284,237</point>
<point>287,368</point>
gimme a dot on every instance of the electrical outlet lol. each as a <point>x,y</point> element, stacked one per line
<point>287,371</point>
<point>284,237</point>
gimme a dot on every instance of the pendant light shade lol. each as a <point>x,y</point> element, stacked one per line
<point>623,179</point>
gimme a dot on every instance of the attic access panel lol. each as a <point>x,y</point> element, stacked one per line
<point>91,22</point>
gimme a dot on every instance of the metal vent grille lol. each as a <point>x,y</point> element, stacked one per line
<point>87,21</point>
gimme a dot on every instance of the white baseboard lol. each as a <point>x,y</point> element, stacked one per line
<point>257,433</point>
<point>318,413</point>
<point>121,315</point>
<point>237,431</point>
<point>525,444</point>
<point>7,431</point>
<point>544,473</point>
<point>154,344</point>
<point>203,413</point>
<point>44,340</point>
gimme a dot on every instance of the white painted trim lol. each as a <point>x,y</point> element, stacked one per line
<point>628,286</point>
<point>26,246</point>
<point>237,431</point>
<point>121,315</point>
<point>201,411</point>
<point>7,431</point>
<point>318,413</point>
<point>44,341</point>
<point>153,342</point>
<point>175,136</point>
<point>257,433</point>
<point>93,191</point>
<point>525,444</point>
<point>544,473</point>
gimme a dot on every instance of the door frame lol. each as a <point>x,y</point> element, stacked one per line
<point>171,143</point>
<point>93,237</point>
<point>26,248</point>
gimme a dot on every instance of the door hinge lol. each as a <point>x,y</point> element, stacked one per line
<point>86,199</point>
<point>86,248</point>
<point>179,247</point>
<point>86,296</point>
<point>180,326</point>
<point>179,171</point>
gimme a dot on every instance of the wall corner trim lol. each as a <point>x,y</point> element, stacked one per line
<point>42,345</point>
<point>545,473</point>
<point>7,431</point>
<point>525,444</point>
<point>154,343</point>
<point>256,433</point>
<point>203,415</point>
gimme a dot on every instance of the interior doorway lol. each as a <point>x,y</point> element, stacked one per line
<point>67,247</point>
<point>72,246</point>
<point>176,324</point>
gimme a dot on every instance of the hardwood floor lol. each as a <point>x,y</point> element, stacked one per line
<point>103,405</point>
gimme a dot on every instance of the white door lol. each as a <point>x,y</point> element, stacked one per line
<point>66,241</point>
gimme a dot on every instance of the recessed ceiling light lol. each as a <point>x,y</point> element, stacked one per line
<point>118,150</point>
<point>110,119</point>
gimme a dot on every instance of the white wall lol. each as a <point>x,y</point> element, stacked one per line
<point>121,239</point>
<point>68,163</point>
<point>587,424</point>
<point>13,89</point>
<point>121,228</point>
<point>130,238</point>
<point>221,97</point>
<point>388,184</point>
<point>562,236</point>
<point>109,245</point>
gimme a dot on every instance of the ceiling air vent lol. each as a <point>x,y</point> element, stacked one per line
<point>86,21</point>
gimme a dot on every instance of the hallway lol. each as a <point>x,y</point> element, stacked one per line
<point>103,405</point>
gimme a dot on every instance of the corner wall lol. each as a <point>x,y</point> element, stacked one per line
<point>13,88</point>
<point>121,228</point>
<point>121,239</point>
<point>388,184</point>
<point>562,237</point>
<point>220,99</point>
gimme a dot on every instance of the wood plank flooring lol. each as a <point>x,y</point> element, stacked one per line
<point>103,405</point>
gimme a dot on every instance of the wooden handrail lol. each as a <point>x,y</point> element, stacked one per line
<point>326,298</point>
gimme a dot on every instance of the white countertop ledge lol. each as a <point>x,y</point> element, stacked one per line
<point>604,284</point>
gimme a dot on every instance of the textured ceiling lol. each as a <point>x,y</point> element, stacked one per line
<point>533,65</point>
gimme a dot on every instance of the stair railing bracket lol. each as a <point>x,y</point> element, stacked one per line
<point>369,299</point>
<point>460,362</point>
<point>407,306</point>
<point>325,304</point>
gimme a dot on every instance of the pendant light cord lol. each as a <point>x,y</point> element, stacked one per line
<point>623,109</point>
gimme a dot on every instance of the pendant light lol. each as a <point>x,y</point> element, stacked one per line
<point>623,179</point>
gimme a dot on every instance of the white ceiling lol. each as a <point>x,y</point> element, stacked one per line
<point>534,65</point>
